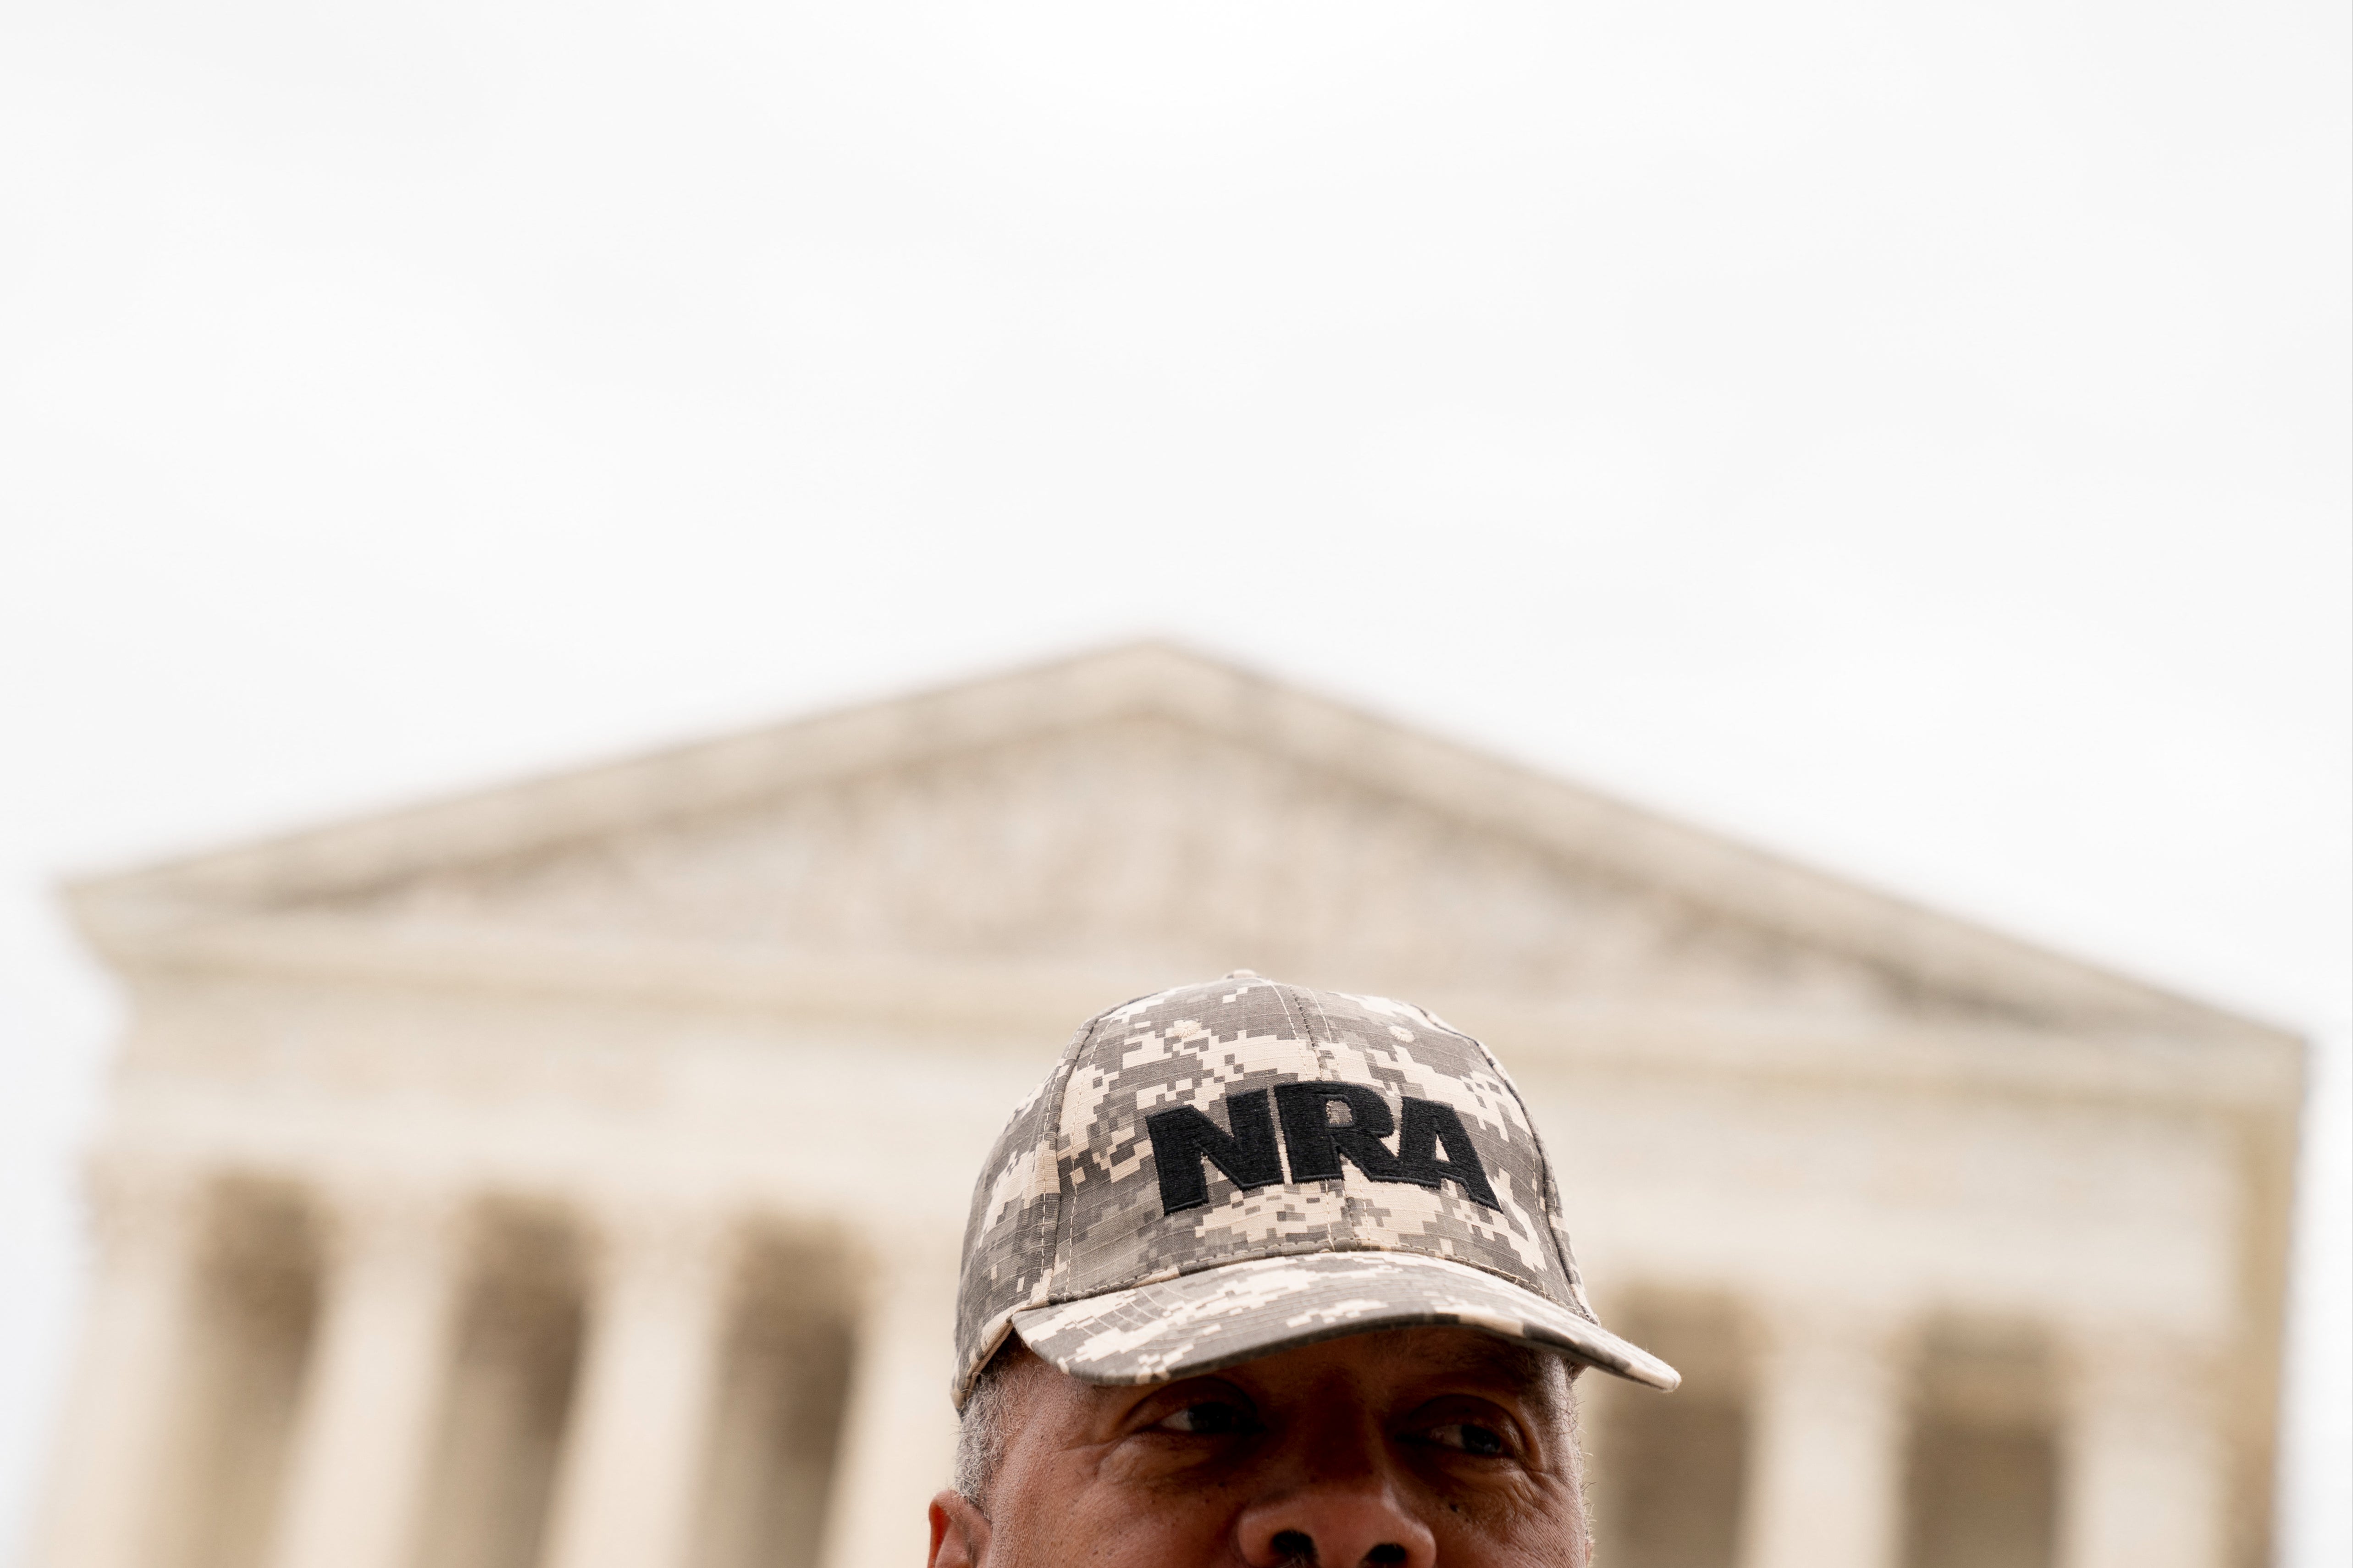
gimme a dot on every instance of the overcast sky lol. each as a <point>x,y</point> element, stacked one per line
<point>1914,438</point>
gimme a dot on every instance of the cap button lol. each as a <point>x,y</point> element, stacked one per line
<point>1241,974</point>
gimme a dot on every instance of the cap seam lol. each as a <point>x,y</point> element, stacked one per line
<point>1068,1069</point>
<point>1327,1071</point>
<point>1284,995</point>
<point>1056,1093</point>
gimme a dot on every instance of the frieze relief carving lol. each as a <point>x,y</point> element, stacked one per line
<point>1145,840</point>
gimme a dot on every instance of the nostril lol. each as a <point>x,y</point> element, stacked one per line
<point>1386,1555</point>
<point>1295,1547</point>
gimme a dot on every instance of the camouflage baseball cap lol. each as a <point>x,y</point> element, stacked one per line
<point>1135,1221</point>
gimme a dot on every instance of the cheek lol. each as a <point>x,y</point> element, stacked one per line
<point>1534,1525</point>
<point>1083,1506</point>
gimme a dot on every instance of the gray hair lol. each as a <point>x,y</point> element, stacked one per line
<point>980,1438</point>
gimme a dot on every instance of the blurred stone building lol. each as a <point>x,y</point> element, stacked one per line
<point>569,1176</point>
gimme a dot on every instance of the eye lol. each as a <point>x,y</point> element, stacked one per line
<point>1468,1438</point>
<point>1207,1418</point>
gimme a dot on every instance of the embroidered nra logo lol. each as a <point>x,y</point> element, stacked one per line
<point>1244,1149</point>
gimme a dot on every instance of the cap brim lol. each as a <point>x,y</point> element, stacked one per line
<point>1239,1311</point>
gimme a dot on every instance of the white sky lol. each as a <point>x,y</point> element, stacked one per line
<point>1911,438</point>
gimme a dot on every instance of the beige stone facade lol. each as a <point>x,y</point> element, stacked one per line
<point>569,1176</point>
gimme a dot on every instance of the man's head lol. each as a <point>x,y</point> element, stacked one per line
<point>1263,1275</point>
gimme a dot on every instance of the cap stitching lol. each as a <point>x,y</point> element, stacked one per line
<point>1327,1068</point>
<point>1068,1069</point>
<point>1049,1226</point>
<point>1283,999</point>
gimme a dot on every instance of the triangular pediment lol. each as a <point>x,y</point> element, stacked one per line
<point>1139,841</point>
<point>1144,810</point>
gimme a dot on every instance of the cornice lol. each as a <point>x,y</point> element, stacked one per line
<point>993,1007</point>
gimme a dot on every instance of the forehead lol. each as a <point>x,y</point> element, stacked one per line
<point>1462,1353</point>
<point>1406,1355</point>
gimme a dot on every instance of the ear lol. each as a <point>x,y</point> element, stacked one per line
<point>959,1532</point>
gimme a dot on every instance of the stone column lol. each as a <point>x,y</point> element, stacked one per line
<point>1827,1430</point>
<point>364,1434</point>
<point>633,1456</point>
<point>114,1450</point>
<point>899,1431</point>
<point>2141,1471</point>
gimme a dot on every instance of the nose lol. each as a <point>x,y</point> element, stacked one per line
<point>1361,1525</point>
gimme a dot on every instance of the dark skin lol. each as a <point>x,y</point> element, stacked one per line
<point>1406,1448</point>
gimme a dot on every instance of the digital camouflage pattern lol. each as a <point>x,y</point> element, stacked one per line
<point>1068,1243</point>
